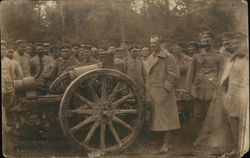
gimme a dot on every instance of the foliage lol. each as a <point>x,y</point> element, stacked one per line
<point>100,22</point>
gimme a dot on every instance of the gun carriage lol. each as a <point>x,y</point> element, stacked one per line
<point>98,108</point>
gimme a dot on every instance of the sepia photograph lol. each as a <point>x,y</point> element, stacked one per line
<point>124,78</point>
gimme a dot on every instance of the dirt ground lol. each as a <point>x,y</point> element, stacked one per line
<point>146,145</point>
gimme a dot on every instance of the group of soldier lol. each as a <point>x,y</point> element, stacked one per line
<point>158,70</point>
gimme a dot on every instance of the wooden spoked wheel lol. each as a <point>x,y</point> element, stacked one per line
<point>60,84</point>
<point>101,111</point>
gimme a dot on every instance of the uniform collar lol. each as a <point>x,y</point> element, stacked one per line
<point>162,54</point>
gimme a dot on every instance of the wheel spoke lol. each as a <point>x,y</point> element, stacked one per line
<point>102,135</point>
<point>85,100</point>
<point>114,92</point>
<point>122,100</point>
<point>82,111</point>
<point>116,119</point>
<point>83,123</point>
<point>93,93</point>
<point>114,133</point>
<point>91,132</point>
<point>126,111</point>
<point>104,88</point>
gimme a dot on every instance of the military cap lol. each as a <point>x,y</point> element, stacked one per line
<point>93,49</point>
<point>226,37</point>
<point>65,47</point>
<point>19,42</point>
<point>119,49</point>
<point>145,49</point>
<point>39,44</point>
<point>206,33</point>
<point>46,44</point>
<point>239,36</point>
<point>193,44</point>
<point>88,47</point>
<point>76,45</point>
<point>134,47</point>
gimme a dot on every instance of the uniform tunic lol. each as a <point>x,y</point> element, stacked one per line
<point>45,66</point>
<point>135,70</point>
<point>204,74</point>
<point>16,70</point>
<point>162,72</point>
<point>24,61</point>
<point>66,63</point>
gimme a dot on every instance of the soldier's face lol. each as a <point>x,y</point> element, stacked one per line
<point>177,49</point>
<point>119,54</point>
<point>81,56</point>
<point>21,49</point>
<point>75,51</point>
<point>39,50</point>
<point>192,50</point>
<point>65,53</point>
<point>155,43</point>
<point>29,49</point>
<point>56,54</point>
<point>46,50</point>
<point>87,53</point>
<point>206,40</point>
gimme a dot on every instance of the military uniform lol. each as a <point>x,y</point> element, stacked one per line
<point>183,62</point>
<point>66,63</point>
<point>16,70</point>
<point>24,61</point>
<point>8,93</point>
<point>44,67</point>
<point>134,68</point>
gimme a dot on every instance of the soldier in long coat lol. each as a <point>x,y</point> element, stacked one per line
<point>162,72</point>
<point>204,74</point>
<point>226,123</point>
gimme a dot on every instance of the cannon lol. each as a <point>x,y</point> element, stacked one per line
<point>98,108</point>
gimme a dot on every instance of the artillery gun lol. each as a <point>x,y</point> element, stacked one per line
<point>97,107</point>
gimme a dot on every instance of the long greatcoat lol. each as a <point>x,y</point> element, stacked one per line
<point>215,132</point>
<point>162,72</point>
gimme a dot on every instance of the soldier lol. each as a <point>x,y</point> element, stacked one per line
<point>183,63</point>
<point>67,61</point>
<point>205,70</point>
<point>30,50</point>
<point>193,48</point>
<point>226,50</point>
<point>16,67</point>
<point>89,59</point>
<point>75,48</point>
<point>42,67</point>
<point>22,57</point>
<point>8,93</point>
<point>57,58</point>
<point>162,73</point>
<point>145,53</point>
<point>135,70</point>
<point>119,62</point>
<point>227,117</point>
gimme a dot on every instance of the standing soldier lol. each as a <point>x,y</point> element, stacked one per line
<point>204,74</point>
<point>162,73</point>
<point>135,70</point>
<point>67,61</point>
<point>119,62</point>
<point>226,50</point>
<point>16,68</point>
<point>30,50</point>
<point>57,58</point>
<point>41,67</point>
<point>193,48</point>
<point>75,48</point>
<point>8,96</point>
<point>22,57</point>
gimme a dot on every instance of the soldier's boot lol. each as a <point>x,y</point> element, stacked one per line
<point>166,143</point>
